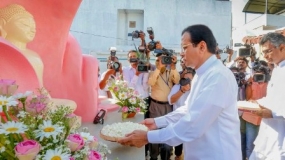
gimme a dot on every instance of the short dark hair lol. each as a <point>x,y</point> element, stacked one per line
<point>275,38</point>
<point>242,58</point>
<point>200,33</point>
<point>131,51</point>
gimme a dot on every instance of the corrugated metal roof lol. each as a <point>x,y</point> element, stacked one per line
<point>258,6</point>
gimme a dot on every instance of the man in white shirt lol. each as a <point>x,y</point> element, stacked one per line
<point>137,80</point>
<point>111,72</point>
<point>209,130</point>
<point>270,144</point>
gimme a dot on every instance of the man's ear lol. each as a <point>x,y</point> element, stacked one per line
<point>202,46</point>
<point>282,47</point>
<point>3,33</point>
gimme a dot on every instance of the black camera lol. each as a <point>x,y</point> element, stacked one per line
<point>142,67</point>
<point>247,51</point>
<point>184,81</point>
<point>115,65</point>
<point>240,77</point>
<point>167,55</point>
<point>136,34</point>
<point>152,43</point>
<point>261,71</point>
<point>259,78</point>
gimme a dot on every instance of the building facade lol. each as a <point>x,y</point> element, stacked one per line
<point>98,24</point>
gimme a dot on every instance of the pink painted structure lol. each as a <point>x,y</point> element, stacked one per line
<point>67,73</point>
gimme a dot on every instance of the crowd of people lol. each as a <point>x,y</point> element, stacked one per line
<point>195,109</point>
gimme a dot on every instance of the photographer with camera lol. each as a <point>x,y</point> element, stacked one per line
<point>177,97</point>
<point>133,75</point>
<point>255,89</point>
<point>114,68</point>
<point>161,81</point>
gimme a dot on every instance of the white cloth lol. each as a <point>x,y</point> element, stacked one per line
<point>139,83</point>
<point>181,101</point>
<point>270,142</point>
<point>210,127</point>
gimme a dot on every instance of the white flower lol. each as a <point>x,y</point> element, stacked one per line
<point>7,142</point>
<point>12,127</point>
<point>122,96</point>
<point>2,149</point>
<point>22,95</point>
<point>86,136</point>
<point>10,101</point>
<point>48,129</point>
<point>132,100</point>
<point>56,154</point>
<point>21,114</point>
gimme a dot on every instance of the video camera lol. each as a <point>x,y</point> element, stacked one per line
<point>152,43</point>
<point>142,67</point>
<point>261,72</point>
<point>246,51</point>
<point>114,65</point>
<point>136,34</point>
<point>167,55</point>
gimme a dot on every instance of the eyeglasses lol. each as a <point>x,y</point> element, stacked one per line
<point>265,52</point>
<point>184,47</point>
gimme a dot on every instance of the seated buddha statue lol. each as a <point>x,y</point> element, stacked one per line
<point>18,27</point>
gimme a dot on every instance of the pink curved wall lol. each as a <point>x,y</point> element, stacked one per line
<point>68,74</point>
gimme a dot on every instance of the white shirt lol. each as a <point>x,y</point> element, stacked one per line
<point>139,83</point>
<point>181,101</point>
<point>270,142</point>
<point>210,128</point>
<point>107,85</point>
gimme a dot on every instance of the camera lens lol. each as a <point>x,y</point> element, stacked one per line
<point>151,45</point>
<point>135,34</point>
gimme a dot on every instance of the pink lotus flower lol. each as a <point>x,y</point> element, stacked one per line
<point>125,109</point>
<point>27,149</point>
<point>94,155</point>
<point>71,158</point>
<point>8,87</point>
<point>76,142</point>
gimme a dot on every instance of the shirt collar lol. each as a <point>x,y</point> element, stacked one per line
<point>281,64</point>
<point>207,64</point>
<point>130,67</point>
